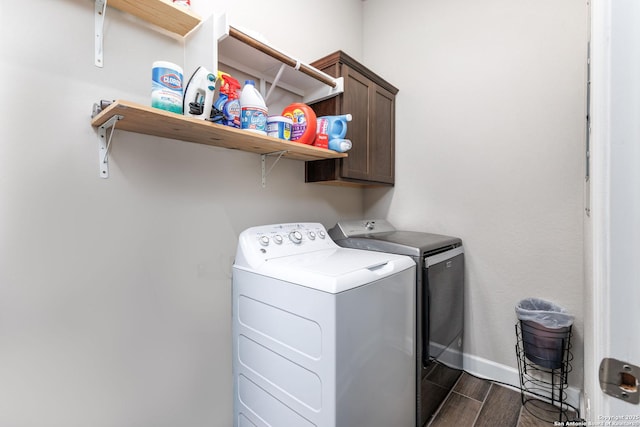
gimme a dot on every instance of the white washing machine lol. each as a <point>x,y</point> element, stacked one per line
<point>322,335</point>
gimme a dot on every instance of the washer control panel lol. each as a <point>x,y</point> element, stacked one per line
<point>279,240</point>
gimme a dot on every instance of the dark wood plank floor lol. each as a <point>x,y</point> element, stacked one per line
<point>474,402</point>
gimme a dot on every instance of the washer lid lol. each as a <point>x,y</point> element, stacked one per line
<point>380,235</point>
<point>333,270</point>
<point>365,227</point>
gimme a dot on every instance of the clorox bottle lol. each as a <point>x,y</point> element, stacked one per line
<point>253,109</point>
<point>166,86</point>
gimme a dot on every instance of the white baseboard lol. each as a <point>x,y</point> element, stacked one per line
<point>489,370</point>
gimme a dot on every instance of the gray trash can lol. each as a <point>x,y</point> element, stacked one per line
<point>546,329</point>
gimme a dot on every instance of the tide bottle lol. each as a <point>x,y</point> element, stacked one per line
<point>303,129</point>
<point>253,109</point>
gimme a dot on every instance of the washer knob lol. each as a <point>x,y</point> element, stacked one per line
<point>322,234</point>
<point>370,225</point>
<point>295,237</point>
<point>312,235</point>
<point>264,241</point>
<point>278,239</point>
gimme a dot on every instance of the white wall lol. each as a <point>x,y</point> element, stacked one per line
<point>115,294</point>
<point>490,147</point>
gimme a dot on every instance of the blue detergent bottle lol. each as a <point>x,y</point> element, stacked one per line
<point>340,145</point>
<point>335,127</point>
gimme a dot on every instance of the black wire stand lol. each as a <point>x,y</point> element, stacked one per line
<point>544,362</point>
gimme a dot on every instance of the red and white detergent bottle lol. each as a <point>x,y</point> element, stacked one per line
<point>303,129</point>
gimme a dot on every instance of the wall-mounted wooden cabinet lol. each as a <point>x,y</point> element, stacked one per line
<point>371,102</point>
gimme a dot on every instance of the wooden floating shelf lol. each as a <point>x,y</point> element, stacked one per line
<point>163,13</point>
<point>233,46</point>
<point>152,121</point>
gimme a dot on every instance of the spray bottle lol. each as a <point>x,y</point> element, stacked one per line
<point>228,102</point>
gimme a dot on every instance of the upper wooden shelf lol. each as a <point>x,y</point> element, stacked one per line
<point>237,48</point>
<point>163,13</point>
<point>152,121</point>
<point>256,57</point>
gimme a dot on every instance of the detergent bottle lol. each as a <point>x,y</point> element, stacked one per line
<point>253,111</point>
<point>303,129</point>
<point>340,145</point>
<point>228,103</point>
<point>335,127</point>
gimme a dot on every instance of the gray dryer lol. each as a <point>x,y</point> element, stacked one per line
<point>439,301</point>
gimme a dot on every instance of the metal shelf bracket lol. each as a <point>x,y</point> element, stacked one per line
<point>100,9</point>
<point>104,144</point>
<point>263,161</point>
<point>276,80</point>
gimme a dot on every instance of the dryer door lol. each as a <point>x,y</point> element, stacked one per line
<point>445,307</point>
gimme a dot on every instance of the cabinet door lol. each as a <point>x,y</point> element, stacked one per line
<point>357,101</point>
<point>372,130</point>
<point>382,136</point>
